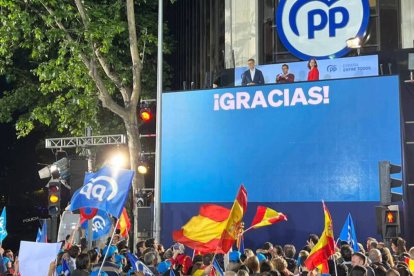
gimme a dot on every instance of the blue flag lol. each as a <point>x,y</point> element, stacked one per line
<point>43,233</point>
<point>39,235</point>
<point>65,268</point>
<point>139,266</point>
<point>3,231</point>
<point>107,190</point>
<point>348,233</point>
<point>217,267</point>
<point>101,225</point>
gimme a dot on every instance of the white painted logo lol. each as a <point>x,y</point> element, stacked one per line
<point>98,187</point>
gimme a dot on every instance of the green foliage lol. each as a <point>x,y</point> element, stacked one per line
<point>46,79</point>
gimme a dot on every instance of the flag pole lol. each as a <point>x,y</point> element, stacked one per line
<point>334,259</point>
<point>107,250</point>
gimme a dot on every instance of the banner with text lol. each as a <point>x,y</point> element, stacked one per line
<point>339,68</point>
<point>298,142</point>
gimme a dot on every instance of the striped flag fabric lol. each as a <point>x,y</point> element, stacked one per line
<point>124,223</point>
<point>203,232</point>
<point>265,217</point>
<point>215,228</point>
<point>410,264</point>
<point>234,222</point>
<point>325,247</point>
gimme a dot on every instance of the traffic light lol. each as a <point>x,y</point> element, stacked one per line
<point>145,112</point>
<point>54,197</point>
<point>386,183</point>
<point>388,219</point>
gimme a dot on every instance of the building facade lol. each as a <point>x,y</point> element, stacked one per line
<point>215,36</point>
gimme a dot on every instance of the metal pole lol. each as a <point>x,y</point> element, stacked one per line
<point>90,169</point>
<point>157,184</point>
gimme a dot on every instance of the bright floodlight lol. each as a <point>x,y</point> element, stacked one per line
<point>118,160</point>
<point>142,168</point>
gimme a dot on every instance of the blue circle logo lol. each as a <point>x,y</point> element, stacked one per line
<point>320,28</point>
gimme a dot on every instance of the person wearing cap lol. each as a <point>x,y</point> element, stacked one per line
<point>234,261</point>
<point>163,267</point>
<point>109,266</point>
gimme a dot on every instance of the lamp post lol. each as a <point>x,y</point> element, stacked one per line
<point>157,180</point>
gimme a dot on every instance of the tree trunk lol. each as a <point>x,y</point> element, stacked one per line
<point>134,147</point>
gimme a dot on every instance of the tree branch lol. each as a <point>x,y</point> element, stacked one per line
<point>103,95</point>
<point>133,46</point>
<point>112,75</point>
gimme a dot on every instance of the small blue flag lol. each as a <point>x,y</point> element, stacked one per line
<point>101,225</point>
<point>217,267</point>
<point>241,249</point>
<point>107,190</point>
<point>139,266</point>
<point>348,233</point>
<point>43,232</point>
<point>39,235</point>
<point>65,268</point>
<point>3,231</point>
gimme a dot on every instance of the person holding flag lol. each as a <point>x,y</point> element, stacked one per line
<point>324,249</point>
<point>348,234</point>
<point>216,228</point>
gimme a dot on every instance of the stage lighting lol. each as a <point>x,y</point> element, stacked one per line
<point>59,169</point>
<point>118,160</point>
<point>142,167</point>
<point>354,43</point>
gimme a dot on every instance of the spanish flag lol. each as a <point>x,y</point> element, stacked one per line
<point>124,223</point>
<point>234,222</point>
<point>410,264</point>
<point>215,228</point>
<point>203,232</point>
<point>266,216</point>
<point>325,247</point>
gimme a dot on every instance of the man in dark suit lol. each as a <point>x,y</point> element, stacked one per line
<point>252,76</point>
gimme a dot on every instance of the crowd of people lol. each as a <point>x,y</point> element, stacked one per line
<point>373,259</point>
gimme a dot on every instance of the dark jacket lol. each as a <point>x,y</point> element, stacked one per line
<point>111,268</point>
<point>247,78</point>
<point>78,272</point>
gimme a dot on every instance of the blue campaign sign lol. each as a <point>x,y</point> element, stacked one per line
<point>301,142</point>
<point>338,68</point>
<point>320,28</point>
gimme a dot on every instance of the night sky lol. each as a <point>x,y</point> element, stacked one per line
<point>20,187</point>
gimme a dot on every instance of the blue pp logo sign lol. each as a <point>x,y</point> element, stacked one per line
<point>320,28</point>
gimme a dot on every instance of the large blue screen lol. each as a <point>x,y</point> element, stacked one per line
<point>301,142</point>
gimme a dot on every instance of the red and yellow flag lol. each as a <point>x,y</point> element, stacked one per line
<point>124,223</point>
<point>215,228</point>
<point>231,232</point>
<point>325,247</point>
<point>203,232</point>
<point>410,264</point>
<point>266,216</point>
